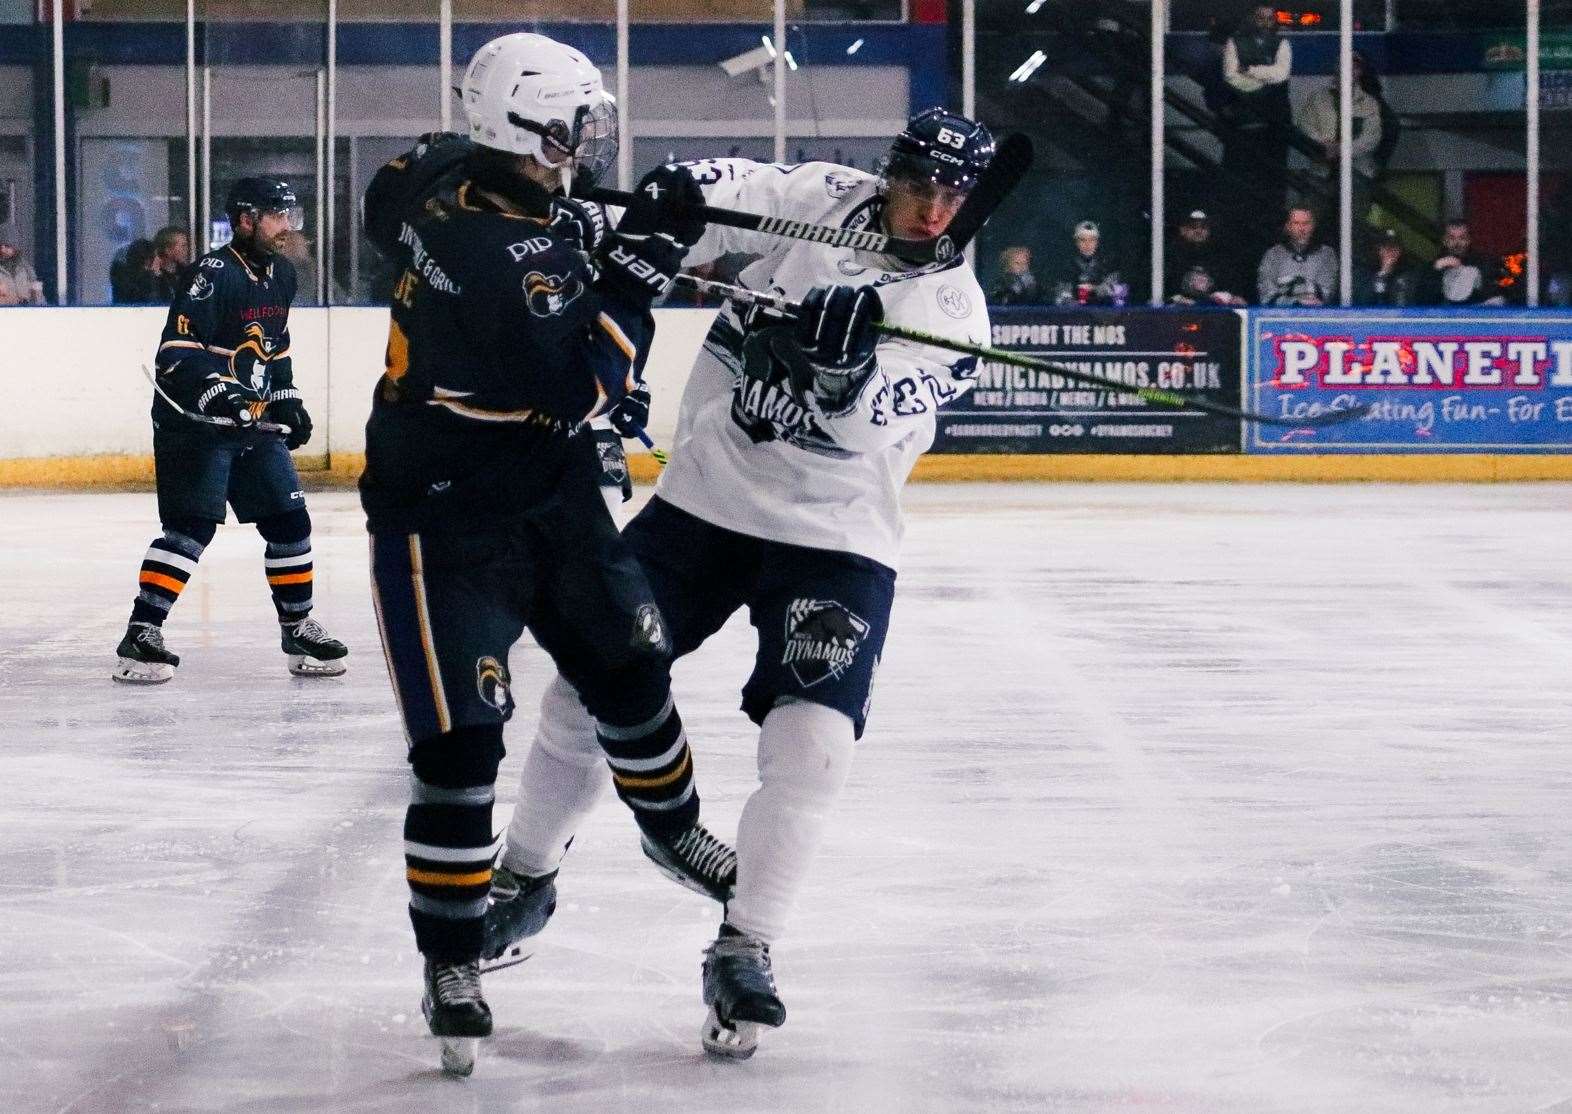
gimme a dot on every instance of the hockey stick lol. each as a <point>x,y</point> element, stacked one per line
<point>1007,167</point>
<point>1015,359</point>
<point>222,423</point>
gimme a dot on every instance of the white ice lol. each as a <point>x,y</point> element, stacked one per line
<point>1179,798</point>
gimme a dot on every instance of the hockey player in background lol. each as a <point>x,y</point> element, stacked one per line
<point>515,320</point>
<point>225,355</point>
<point>794,439</point>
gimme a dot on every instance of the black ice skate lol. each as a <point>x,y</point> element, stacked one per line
<point>456,1011</point>
<point>519,907</point>
<point>739,989</point>
<point>312,651</point>
<point>144,660</point>
<point>695,859</point>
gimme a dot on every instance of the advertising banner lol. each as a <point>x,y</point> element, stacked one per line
<point>1474,381</point>
<point>1019,410</point>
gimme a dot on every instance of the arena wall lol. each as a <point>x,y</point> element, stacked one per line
<point>76,412</point>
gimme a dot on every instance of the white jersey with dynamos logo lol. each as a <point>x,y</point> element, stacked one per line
<point>747,455</point>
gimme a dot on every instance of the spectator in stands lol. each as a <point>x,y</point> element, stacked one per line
<point>1391,279</point>
<point>171,256</point>
<point>131,274</point>
<point>1297,271</point>
<point>1087,277</point>
<point>1319,119</point>
<point>1257,63</point>
<point>1461,276</point>
<point>19,285</point>
<point>298,250</point>
<point>1016,286</point>
<point>1198,271</point>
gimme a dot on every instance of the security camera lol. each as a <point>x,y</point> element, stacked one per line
<point>755,59</point>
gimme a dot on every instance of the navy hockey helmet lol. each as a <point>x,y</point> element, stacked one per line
<point>943,147</point>
<point>264,194</point>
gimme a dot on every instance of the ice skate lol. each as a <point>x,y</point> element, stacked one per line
<point>695,859</point>
<point>519,907</point>
<point>144,660</point>
<point>457,1013</point>
<point>312,651</point>
<point>739,989</point>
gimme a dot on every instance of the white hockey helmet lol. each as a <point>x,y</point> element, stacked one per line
<point>531,95</point>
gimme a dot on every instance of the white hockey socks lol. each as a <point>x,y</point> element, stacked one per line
<point>564,775</point>
<point>805,754</point>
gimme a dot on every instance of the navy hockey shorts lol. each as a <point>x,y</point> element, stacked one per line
<point>821,615</point>
<point>199,471</point>
<point>452,602</point>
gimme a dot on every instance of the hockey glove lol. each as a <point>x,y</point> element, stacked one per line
<point>286,408</point>
<point>224,397</point>
<point>667,201</point>
<point>834,340</point>
<point>583,223</point>
<point>640,269</point>
<point>631,415</point>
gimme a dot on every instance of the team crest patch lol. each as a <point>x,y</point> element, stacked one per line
<point>201,289</point>
<point>649,633</point>
<point>549,295</point>
<point>491,679</point>
<point>822,639</point>
<point>954,302</point>
<point>838,185</point>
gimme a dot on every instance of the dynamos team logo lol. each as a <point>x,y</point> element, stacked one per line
<point>491,679</point>
<point>822,639</point>
<point>549,295</point>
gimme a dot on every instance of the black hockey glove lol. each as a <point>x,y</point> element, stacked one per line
<point>667,201</point>
<point>631,415</point>
<point>581,222</point>
<point>286,408</point>
<point>225,398</point>
<point>640,268</point>
<point>834,340</point>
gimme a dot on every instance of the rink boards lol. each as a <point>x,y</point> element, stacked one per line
<point>1474,396</point>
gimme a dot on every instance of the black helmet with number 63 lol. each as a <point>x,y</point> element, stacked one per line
<point>943,147</point>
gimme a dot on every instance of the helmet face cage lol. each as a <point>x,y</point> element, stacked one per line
<point>942,147</point>
<point>590,142</point>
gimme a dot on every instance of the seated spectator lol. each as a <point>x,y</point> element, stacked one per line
<point>1297,271</point>
<point>1087,277</point>
<point>1017,286</point>
<point>1197,271</point>
<point>131,274</point>
<point>1391,279</point>
<point>19,285</point>
<point>171,256</point>
<point>1461,277</point>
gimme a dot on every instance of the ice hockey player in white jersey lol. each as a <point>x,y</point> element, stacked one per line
<point>783,496</point>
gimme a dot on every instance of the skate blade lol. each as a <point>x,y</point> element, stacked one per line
<point>129,672</point>
<point>511,957</point>
<point>734,1042</point>
<point>458,1055</point>
<point>302,666</point>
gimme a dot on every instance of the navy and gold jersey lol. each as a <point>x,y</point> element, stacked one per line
<point>230,320</point>
<point>501,343</point>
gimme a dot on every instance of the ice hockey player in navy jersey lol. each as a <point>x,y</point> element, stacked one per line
<point>516,319</point>
<point>223,365</point>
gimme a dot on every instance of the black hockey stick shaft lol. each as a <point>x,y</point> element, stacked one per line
<point>222,423</point>
<point>1015,359</point>
<point>1008,166</point>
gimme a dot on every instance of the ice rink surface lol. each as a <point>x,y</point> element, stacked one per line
<point>1177,798</point>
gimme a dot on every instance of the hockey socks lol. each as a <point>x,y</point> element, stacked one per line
<point>166,569</point>
<point>448,849</point>
<point>652,770</point>
<point>288,563</point>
